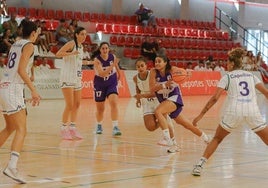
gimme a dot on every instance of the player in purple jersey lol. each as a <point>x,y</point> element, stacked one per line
<point>105,86</point>
<point>240,107</point>
<point>169,96</point>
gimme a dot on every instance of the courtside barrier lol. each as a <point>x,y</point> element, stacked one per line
<point>47,83</point>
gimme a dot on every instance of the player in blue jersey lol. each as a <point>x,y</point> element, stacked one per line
<point>240,107</point>
<point>169,95</point>
<point>105,86</point>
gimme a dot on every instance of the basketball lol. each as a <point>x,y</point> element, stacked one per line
<point>180,75</point>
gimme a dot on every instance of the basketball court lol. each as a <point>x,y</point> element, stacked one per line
<point>133,160</point>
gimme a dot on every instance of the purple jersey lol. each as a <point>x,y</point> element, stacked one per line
<point>104,86</point>
<point>172,93</point>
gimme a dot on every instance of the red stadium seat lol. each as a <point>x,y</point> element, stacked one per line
<point>78,16</point>
<point>129,41</point>
<point>11,10</point>
<point>113,40</point>
<point>121,41</point>
<point>68,15</point>
<point>41,14</point>
<point>59,14</point>
<point>135,53</point>
<point>101,27</point>
<point>137,41</point>
<point>50,14</point>
<point>32,13</point>
<point>94,17</point>
<point>86,16</point>
<point>22,11</point>
<point>127,52</point>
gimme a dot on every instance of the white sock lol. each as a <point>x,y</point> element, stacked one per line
<point>64,125</point>
<point>14,157</point>
<point>115,123</point>
<point>202,161</point>
<point>72,125</point>
<point>204,136</point>
<point>166,135</point>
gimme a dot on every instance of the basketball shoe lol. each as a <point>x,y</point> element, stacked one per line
<point>116,131</point>
<point>99,129</point>
<point>65,134</point>
<point>75,134</point>
<point>14,174</point>
<point>197,170</point>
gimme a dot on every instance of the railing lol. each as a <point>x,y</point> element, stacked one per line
<point>236,30</point>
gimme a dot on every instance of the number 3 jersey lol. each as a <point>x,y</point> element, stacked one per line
<point>11,71</point>
<point>71,70</point>
<point>241,93</point>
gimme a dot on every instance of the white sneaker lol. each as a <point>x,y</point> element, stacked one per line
<point>14,174</point>
<point>207,139</point>
<point>173,146</point>
<point>197,170</point>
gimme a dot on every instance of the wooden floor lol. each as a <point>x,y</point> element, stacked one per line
<point>133,160</point>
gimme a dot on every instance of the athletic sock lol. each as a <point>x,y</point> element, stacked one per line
<point>14,157</point>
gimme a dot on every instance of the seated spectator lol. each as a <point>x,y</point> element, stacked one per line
<point>147,49</point>
<point>6,41</point>
<point>219,66</point>
<point>189,66</point>
<point>62,33</point>
<point>200,66</point>
<point>145,16</point>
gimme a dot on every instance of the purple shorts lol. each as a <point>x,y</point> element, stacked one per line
<point>102,92</point>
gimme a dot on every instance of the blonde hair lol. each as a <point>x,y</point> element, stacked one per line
<point>235,56</point>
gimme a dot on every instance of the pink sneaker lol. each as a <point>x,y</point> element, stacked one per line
<point>65,134</point>
<point>75,134</point>
<point>163,142</point>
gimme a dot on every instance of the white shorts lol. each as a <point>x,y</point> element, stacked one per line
<point>231,122</point>
<point>149,105</point>
<point>11,98</point>
<point>77,86</point>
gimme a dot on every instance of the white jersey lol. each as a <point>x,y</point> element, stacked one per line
<point>148,104</point>
<point>71,70</point>
<point>241,93</point>
<point>11,71</point>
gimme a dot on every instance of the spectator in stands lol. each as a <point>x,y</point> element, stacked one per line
<point>62,33</point>
<point>189,66</point>
<point>6,41</point>
<point>200,66</point>
<point>147,49</point>
<point>249,61</point>
<point>13,24</point>
<point>145,16</point>
<point>219,66</point>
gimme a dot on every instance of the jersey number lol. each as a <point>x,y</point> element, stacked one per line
<point>11,60</point>
<point>245,90</point>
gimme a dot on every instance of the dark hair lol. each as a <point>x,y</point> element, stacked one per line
<point>27,28</point>
<point>166,59</point>
<point>235,56</point>
<point>141,59</point>
<point>77,31</point>
<point>97,52</point>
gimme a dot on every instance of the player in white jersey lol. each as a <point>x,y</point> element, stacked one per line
<point>71,82</point>
<point>148,100</point>
<point>241,105</point>
<point>12,104</point>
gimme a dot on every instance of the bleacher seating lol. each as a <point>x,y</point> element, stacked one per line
<point>185,40</point>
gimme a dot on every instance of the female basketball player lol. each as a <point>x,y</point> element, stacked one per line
<point>71,82</point>
<point>148,100</point>
<point>241,105</point>
<point>105,86</point>
<point>12,104</point>
<point>169,95</point>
